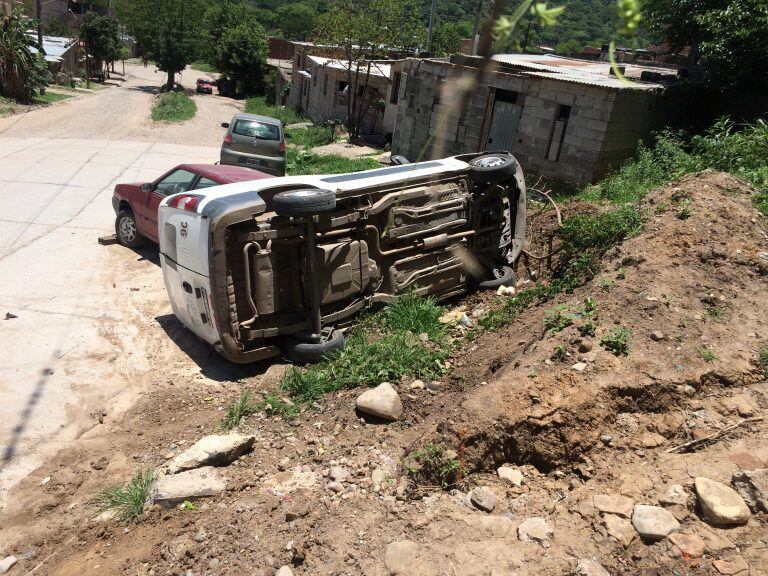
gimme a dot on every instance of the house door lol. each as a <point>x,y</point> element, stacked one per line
<point>505,120</point>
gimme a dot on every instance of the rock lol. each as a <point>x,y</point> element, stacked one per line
<point>614,504</point>
<point>335,487</point>
<point>399,555</point>
<point>284,571</point>
<point>451,317</point>
<point>379,476</point>
<point>338,473</point>
<point>657,336</point>
<point>590,567</point>
<point>720,504</point>
<point>735,566</point>
<point>653,522</point>
<point>715,540</point>
<point>619,528</point>
<point>690,546</point>
<point>535,528</point>
<point>675,495</point>
<point>511,475</point>
<point>753,487</point>
<point>286,482</point>
<point>417,385</point>
<point>423,337</point>
<point>173,489</point>
<point>652,440</point>
<point>483,498</point>
<point>7,563</point>
<point>579,366</point>
<point>215,450</point>
<point>382,402</point>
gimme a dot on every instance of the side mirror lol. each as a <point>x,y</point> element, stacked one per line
<point>147,187</point>
<point>225,124</point>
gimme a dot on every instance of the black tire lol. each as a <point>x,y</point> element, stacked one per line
<point>501,276</point>
<point>303,352</point>
<point>127,231</point>
<point>304,202</point>
<point>492,168</point>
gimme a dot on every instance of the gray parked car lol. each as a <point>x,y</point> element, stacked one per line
<point>256,142</point>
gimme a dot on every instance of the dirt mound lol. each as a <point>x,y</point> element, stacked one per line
<point>584,396</point>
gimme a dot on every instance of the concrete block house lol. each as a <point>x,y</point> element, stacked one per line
<point>564,118</point>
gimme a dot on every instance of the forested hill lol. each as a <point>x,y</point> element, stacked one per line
<point>584,22</point>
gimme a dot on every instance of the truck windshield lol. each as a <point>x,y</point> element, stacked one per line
<point>256,129</point>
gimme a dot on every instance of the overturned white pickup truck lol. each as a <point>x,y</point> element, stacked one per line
<point>257,267</point>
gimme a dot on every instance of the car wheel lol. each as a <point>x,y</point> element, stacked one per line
<point>303,352</point>
<point>500,276</point>
<point>492,168</point>
<point>304,202</point>
<point>126,230</point>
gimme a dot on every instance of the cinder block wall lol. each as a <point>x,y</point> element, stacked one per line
<point>603,128</point>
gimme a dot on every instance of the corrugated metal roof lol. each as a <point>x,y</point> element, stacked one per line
<point>378,68</point>
<point>54,47</point>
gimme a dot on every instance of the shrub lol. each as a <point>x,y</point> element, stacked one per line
<point>707,354</point>
<point>302,162</point>
<point>310,137</point>
<point>259,105</point>
<point>174,107</point>
<point>616,341</point>
<point>762,359</point>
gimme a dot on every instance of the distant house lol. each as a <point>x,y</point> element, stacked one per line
<point>562,117</point>
<point>60,53</point>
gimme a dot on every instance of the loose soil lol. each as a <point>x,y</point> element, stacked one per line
<point>574,434</point>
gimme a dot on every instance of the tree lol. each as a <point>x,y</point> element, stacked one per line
<point>241,55</point>
<point>728,37</point>
<point>167,31</point>
<point>102,40</point>
<point>366,29</point>
<point>22,72</point>
<point>296,20</point>
<point>447,36</point>
<point>569,47</point>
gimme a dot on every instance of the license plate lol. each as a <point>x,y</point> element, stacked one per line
<point>250,161</point>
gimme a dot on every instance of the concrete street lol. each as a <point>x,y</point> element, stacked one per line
<point>86,337</point>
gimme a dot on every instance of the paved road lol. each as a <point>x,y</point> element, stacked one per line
<point>86,337</point>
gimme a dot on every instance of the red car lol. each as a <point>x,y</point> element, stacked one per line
<point>136,204</point>
<point>204,86</point>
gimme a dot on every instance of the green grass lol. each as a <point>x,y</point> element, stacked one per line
<point>258,105</point>
<point>384,347</point>
<point>7,107</point>
<point>174,107</point>
<point>310,137</point>
<point>433,466</point>
<point>203,67</point>
<point>126,500</point>
<point>50,97</point>
<point>241,408</point>
<point>707,354</point>
<point>276,406</point>
<point>302,162</point>
<point>762,359</point>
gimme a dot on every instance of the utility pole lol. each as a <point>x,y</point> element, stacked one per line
<point>39,6</point>
<point>527,32</point>
<point>431,26</point>
<point>476,29</point>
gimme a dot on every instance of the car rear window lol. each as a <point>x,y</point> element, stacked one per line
<point>256,129</point>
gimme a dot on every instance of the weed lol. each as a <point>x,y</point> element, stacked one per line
<point>187,505</point>
<point>590,306</point>
<point>605,283</point>
<point>435,465</point>
<point>126,500</point>
<point>621,274</point>
<point>174,107</point>
<point>715,313</point>
<point>242,408</point>
<point>684,211</point>
<point>413,313</point>
<point>661,208</point>
<point>303,162</point>
<point>762,359</point>
<point>560,353</point>
<point>532,374</point>
<point>276,406</point>
<point>556,320</point>
<point>587,329</point>
<point>311,136</point>
<point>707,354</point>
<point>616,341</point>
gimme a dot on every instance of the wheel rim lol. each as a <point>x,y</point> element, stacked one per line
<point>127,229</point>
<point>491,161</point>
<point>498,273</point>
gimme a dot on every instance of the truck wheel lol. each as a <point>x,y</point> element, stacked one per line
<point>126,230</point>
<point>500,276</point>
<point>304,202</point>
<point>303,352</point>
<point>492,168</point>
